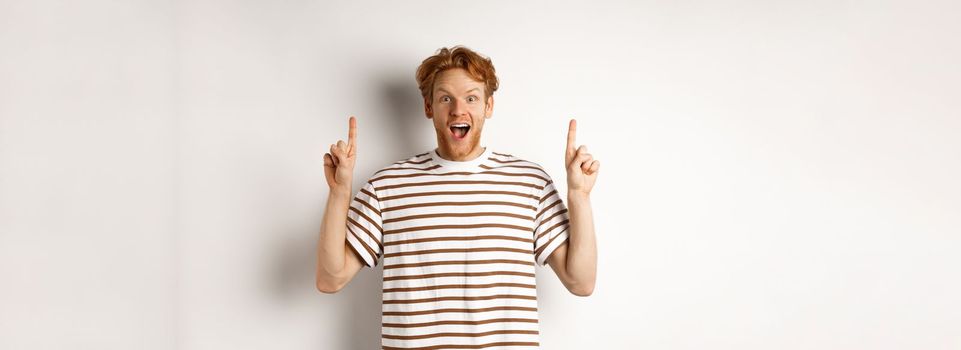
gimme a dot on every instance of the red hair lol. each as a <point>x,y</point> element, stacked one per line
<point>478,67</point>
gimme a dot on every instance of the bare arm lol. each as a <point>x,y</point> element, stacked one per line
<point>575,262</point>
<point>336,263</point>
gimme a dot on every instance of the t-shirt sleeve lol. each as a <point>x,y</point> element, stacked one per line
<point>551,223</point>
<point>364,225</point>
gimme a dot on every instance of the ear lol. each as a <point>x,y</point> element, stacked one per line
<point>489,107</point>
<point>427,108</point>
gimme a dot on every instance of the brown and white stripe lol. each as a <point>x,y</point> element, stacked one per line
<point>459,243</point>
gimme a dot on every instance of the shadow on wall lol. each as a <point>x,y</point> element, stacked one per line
<point>361,317</point>
<point>403,118</point>
<point>359,303</point>
<point>352,315</point>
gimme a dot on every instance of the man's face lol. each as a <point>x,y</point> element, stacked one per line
<point>458,100</point>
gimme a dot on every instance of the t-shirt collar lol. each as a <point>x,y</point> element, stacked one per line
<point>473,164</point>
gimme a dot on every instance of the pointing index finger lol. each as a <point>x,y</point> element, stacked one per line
<point>352,134</point>
<point>571,131</point>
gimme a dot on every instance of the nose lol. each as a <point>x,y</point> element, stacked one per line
<point>458,108</point>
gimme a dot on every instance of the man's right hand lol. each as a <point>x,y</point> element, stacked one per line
<point>339,163</point>
<point>336,263</point>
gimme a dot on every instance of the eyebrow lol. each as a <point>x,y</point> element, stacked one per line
<point>442,90</point>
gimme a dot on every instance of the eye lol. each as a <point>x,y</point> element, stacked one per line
<point>445,99</point>
<point>472,99</point>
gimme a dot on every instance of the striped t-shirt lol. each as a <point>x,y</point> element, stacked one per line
<point>459,241</point>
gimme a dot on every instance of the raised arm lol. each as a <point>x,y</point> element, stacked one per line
<point>575,262</point>
<point>336,263</point>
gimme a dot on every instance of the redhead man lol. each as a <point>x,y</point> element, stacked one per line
<point>459,228</point>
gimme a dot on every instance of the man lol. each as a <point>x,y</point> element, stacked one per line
<point>460,227</point>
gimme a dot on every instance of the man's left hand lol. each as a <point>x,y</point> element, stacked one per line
<point>581,166</point>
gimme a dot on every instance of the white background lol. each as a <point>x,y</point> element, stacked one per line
<point>776,174</point>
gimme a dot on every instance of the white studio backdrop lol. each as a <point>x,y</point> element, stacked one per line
<point>776,174</point>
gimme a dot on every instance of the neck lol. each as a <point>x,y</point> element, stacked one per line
<point>475,152</point>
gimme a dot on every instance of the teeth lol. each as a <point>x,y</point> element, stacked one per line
<point>462,125</point>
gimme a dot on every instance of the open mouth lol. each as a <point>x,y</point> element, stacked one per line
<point>459,131</point>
